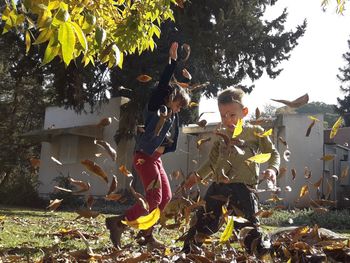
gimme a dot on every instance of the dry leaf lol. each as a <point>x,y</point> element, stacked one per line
<point>202,123</point>
<point>201,141</point>
<point>86,213</point>
<point>309,128</point>
<point>95,168</point>
<point>154,184</point>
<point>54,204</point>
<point>260,158</point>
<point>109,149</point>
<point>193,104</point>
<point>55,160</point>
<point>124,171</point>
<point>185,47</point>
<point>144,222</point>
<point>63,189</point>
<point>257,113</point>
<point>286,155</point>
<point>294,173</point>
<point>345,172</point>
<point>336,127</point>
<point>35,163</point>
<point>183,85</point>
<point>307,173</point>
<point>144,78</point>
<point>113,197</point>
<point>283,141</point>
<point>238,128</point>
<point>327,157</point>
<point>318,183</point>
<point>113,185</point>
<point>105,122</point>
<point>80,184</point>
<point>227,233</point>
<point>295,103</point>
<point>264,134</point>
<point>90,201</point>
<point>264,213</point>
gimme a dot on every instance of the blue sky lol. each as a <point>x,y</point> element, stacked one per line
<point>314,63</point>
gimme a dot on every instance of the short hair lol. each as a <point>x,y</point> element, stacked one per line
<point>231,95</point>
<point>181,95</point>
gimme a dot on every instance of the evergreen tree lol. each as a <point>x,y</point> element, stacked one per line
<point>343,107</point>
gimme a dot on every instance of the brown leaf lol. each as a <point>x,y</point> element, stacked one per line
<point>105,122</point>
<point>113,197</point>
<point>141,258</point>
<point>295,103</point>
<point>307,173</point>
<point>35,163</point>
<point>95,168</point>
<point>154,184</point>
<point>320,210</point>
<point>282,171</point>
<point>90,201</point>
<point>227,139</point>
<point>202,123</point>
<point>257,113</point>
<point>286,155</point>
<point>144,78</point>
<point>345,172</point>
<point>63,189</point>
<point>318,183</point>
<point>190,208</point>
<point>283,141</point>
<point>80,184</point>
<point>294,173</point>
<point>109,149</point>
<point>264,213</point>
<point>183,85</point>
<point>185,47</point>
<point>54,204</point>
<point>309,128</point>
<point>323,202</point>
<point>56,161</point>
<point>87,213</point>
<point>113,185</point>
<point>201,141</point>
<point>124,171</point>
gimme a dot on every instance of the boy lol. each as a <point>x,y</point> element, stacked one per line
<point>233,177</point>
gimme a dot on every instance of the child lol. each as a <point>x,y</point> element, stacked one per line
<point>232,176</point>
<point>160,136</point>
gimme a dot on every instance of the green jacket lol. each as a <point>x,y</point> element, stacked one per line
<point>226,161</point>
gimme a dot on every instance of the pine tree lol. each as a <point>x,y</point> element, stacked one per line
<point>343,107</point>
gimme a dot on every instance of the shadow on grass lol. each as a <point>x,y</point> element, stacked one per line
<point>22,212</point>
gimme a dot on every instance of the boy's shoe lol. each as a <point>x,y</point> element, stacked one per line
<point>116,229</point>
<point>146,238</point>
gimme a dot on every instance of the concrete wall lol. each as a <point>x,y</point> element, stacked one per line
<point>71,149</point>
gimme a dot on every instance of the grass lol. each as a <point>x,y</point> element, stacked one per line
<point>29,235</point>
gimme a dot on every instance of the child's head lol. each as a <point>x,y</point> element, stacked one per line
<point>231,107</point>
<point>179,99</point>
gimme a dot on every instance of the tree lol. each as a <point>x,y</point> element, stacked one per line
<point>88,30</point>
<point>343,107</point>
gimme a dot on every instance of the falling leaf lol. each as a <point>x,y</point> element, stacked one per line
<point>113,197</point>
<point>87,213</point>
<point>283,141</point>
<point>144,78</point>
<point>55,160</point>
<point>294,173</point>
<point>154,184</point>
<point>54,204</point>
<point>318,183</point>
<point>282,171</point>
<point>105,122</point>
<point>336,127</point>
<point>334,177</point>
<point>84,186</point>
<point>109,149</point>
<point>202,141</point>
<point>257,113</point>
<point>95,168</point>
<point>202,123</point>
<point>264,134</point>
<point>320,210</point>
<point>113,185</point>
<point>288,188</point>
<point>260,158</point>
<point>239,150</point>
<point>308,131</point>
<point>124,171</point>
<point>225,236</point>
<point>144,222</point>
<point>98,154</point>
<point>190,208</point>
<point>313,118</point>
<point>224,136</point>
<point>238,128</point>
<point>290,221</point>
<point>295,103</point>
<point>63,189</point>
<point>307,173</point>
<point>264,213</point>
<point>193,104</point>
<point>90,201</point>
<point>35,163</point>
<point>186,47</point>
<point>327,157</point>
<point>183,85</point>
<point>304,190</point>
<point>286,155</point>
<point>27,41</point>
<point>345,172</point>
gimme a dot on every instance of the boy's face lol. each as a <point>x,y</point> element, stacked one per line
<point>175,106</point>
<point>231,113</point>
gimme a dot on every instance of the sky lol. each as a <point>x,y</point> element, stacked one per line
<point>313,64</point>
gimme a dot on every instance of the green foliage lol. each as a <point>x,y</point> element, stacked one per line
<point>343,107</point>
<point>101,30</point>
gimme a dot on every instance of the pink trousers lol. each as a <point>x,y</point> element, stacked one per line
<point>155,183</point>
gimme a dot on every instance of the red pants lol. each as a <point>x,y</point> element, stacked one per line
<point>150,169</point>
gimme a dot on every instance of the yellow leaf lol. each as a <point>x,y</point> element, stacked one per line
<point>336,127</point>
<point>28,42</point>
<point>228,230</point>
<point>144,222</point>
<point>80,35</point>
<point>238,129</point>
<point>260,158</point>
<point>304,190</point>
<point>193,104</point>
<point>50,52</point>
<point>43,36</point>
<point>327,157</point>
<point>225,213</point>
<point>265,134</point>
<point>313,118</point>
<point>66,38</point>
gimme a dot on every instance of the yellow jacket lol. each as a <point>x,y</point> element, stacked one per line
<point>225,161</point>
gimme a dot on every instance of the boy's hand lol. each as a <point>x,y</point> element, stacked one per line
<point>270,176</point>
<point>173,51</point>
<point>191,180</point>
